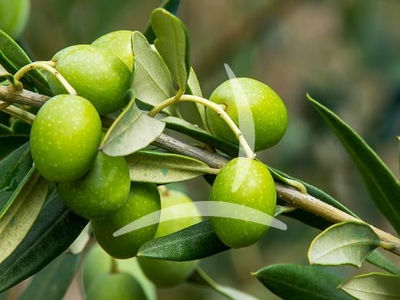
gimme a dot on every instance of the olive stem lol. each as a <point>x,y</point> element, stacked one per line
<point>215,107</point>
<point>23,97</point>
<point>49,67</point>
<point>18,112</point>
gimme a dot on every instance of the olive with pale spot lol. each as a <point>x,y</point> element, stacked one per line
<point>95,74</point>
<point>246,182</point>
<point>65,136</point>
<point>102,191</point>
<point>143,200</point>
<point>257,109</point>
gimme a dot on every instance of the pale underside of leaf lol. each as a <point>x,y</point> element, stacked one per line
<point>22,214</point>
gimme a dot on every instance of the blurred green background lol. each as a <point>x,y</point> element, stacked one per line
<point>343,53</point>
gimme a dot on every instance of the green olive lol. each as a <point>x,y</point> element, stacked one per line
<point>118,43</point>
<point>143,199</point>
<point>95,74</point>
<point>256,102</point>
<point>115,285</point>
<point>246,182</point>
<point>101,192</point>
<point>14,16</point>
<point>65,137</point>
<point>165,273</point>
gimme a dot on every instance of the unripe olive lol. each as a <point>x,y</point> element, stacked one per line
<point>118,43</point>
<point>257,103</point>
<point>143,199</point>
<point>102,191</point>
<point>65,137</point>
<point>95,74</point>
<point>14,16</point>
<point>165,273</point>
<point>246,182</point>
<point>115,285</point>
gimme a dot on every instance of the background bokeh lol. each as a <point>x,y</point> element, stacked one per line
<point>343,53</point>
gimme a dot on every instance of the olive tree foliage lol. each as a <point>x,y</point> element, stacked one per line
<point>38,233</point>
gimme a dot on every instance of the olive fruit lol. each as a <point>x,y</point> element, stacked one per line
<point>119,43</point>
<point>95,263</point>
<point>256,102</point>
<point>115,285</point>
<point>95,74</point>
<point>143,199</point>
<point>246,182</point>
<point>65,136</point>
<point>102,191</point>
<point>165,273</point>
<point>14,16</point>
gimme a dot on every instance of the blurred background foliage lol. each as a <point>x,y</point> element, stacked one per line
<point>343,53</point>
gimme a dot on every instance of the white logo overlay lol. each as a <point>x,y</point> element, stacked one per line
<point>217,208</point>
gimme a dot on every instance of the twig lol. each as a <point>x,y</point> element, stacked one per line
<point>288,194</point>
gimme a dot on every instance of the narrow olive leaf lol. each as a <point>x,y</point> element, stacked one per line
<point>373,286</point>
<point>383,186</point>
<point>161,168</point>
<point>376,258</point>
<point>298,282</point>
<point>172,43</point>
<point>17,57</point>
<point>152,81</point>
<point>13,170</point>
<point>171,6</point>
<point>398,150</point>
<point>343,243</point>
<point>53,232</point>
<point>132,131</point>
<point>201,135</point>
<point>194,88</point>
<point>22,214</point>
<point>53,281</point>
<point>200,277</point>
<point>194,242</point>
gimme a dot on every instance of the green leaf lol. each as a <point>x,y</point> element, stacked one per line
<point>343,243</point>
<point>297,282</point>
<point>13,171</point>
<point>383,186</point>
<point>194,242</point>
<point>14,55</point>
<point>373,286</point>
<point>152,82</point>
<point>195,89</point>
<point>18,220</point>
<point>201,135</point>
<point>161,168</point>
<point>132,131</point>
<point>173,44</point>
<point>171,6</point>
<point>53,232</point>
<point>200,277</point>
<point>53,281</point>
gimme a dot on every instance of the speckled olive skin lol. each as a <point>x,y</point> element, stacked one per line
<point>118,43</point>
<point>263,105</point>
<point>13,16</point>
<point>95,74</point>
<point>143,199</point>
<point>165,273</point>
<point>247,182</point>
<point>102,191</point>
<point>65,137</point>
